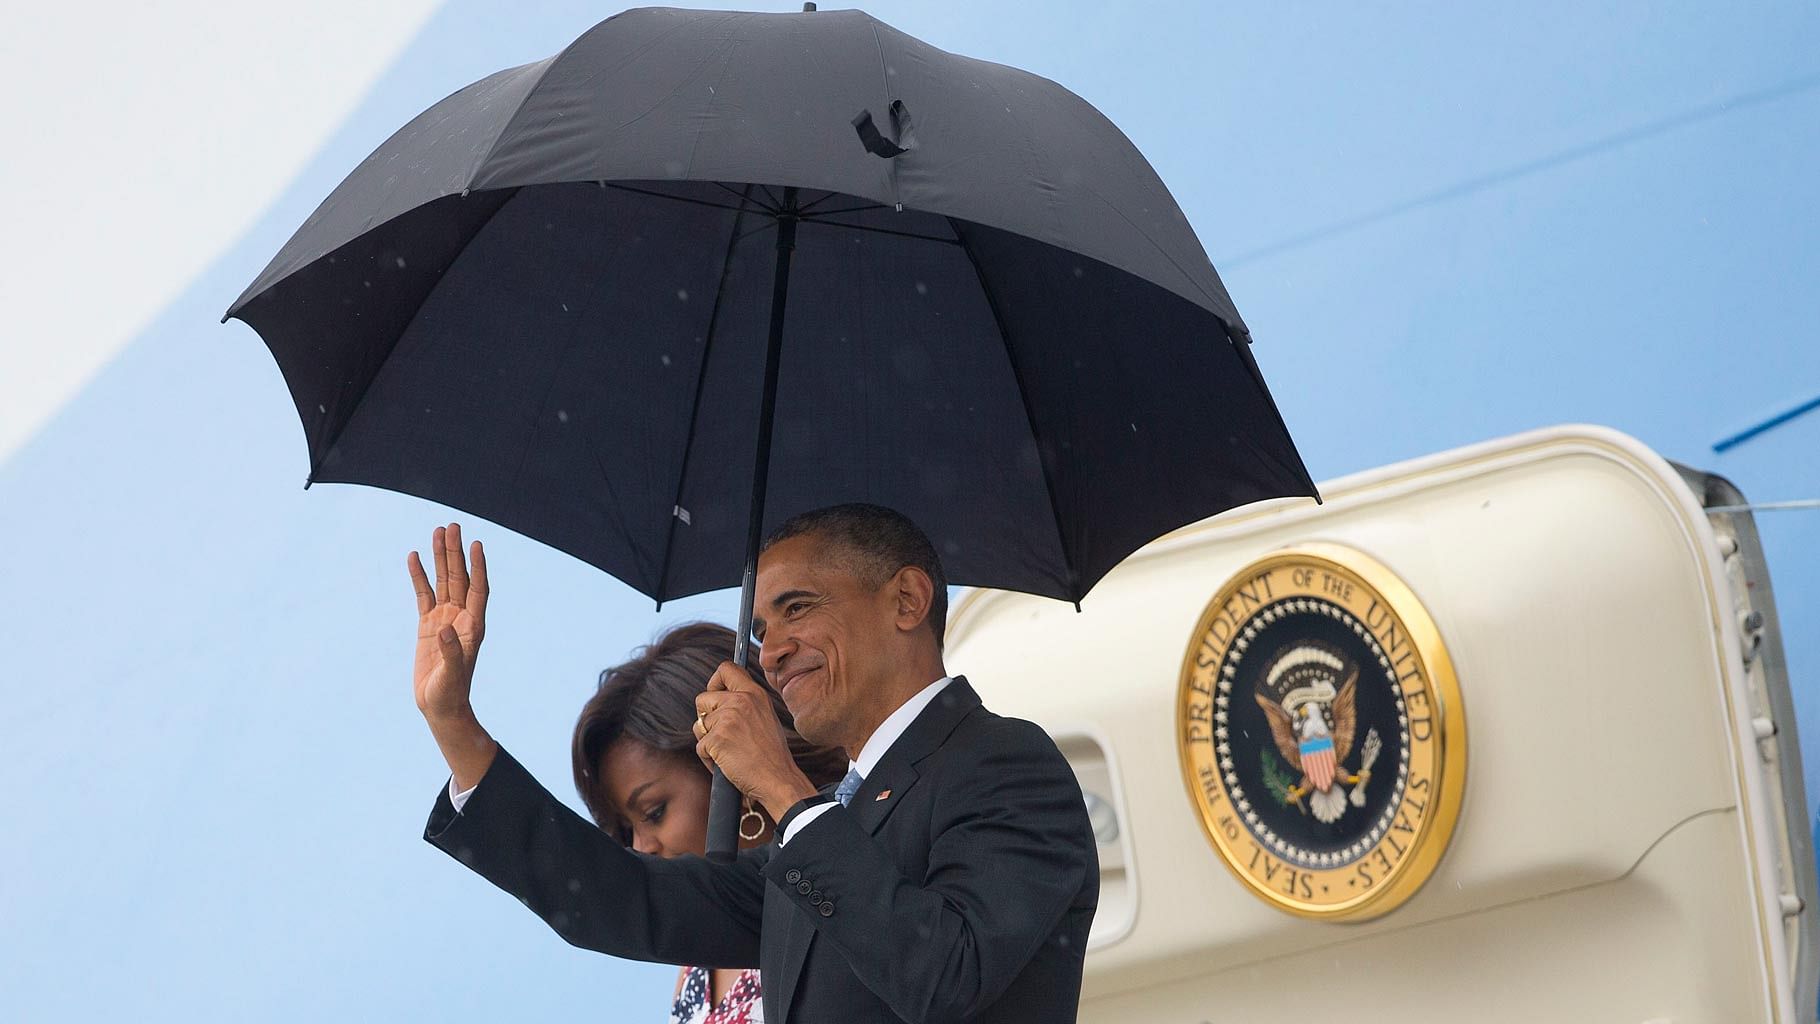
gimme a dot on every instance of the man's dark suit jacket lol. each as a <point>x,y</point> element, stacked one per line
<point>958,885</point>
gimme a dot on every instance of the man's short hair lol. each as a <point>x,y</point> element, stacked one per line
<point>880,541</point>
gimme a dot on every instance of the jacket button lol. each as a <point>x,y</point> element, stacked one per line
<point>815,898</point>
<point>827,908</point>
<point>804,887</point>
<point>793,876</point>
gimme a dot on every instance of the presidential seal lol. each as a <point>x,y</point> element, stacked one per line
<point>1321,733</point>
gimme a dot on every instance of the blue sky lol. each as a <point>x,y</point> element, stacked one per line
<point>1443,223</point>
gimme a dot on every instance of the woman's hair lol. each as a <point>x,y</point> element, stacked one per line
<point>651,698</point>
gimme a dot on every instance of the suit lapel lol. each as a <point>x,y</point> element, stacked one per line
<point>895,773</point>
<point>882,791</point>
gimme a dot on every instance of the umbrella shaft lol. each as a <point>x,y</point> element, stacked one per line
<point>723,798</point>
<point>767,407</point>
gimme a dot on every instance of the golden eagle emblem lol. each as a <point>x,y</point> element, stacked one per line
<point>1312,722</point>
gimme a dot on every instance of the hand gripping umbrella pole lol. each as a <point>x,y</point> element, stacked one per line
<point>724,797</point>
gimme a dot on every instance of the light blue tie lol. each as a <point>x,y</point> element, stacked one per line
<point>848,786</point>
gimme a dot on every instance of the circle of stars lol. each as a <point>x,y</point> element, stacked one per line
<point>1235,792</point>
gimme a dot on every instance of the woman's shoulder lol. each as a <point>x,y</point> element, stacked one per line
<point>743,1003</point>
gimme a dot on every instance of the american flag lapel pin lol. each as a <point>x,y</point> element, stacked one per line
<point>883,795</point>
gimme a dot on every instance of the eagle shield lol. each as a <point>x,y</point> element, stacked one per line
<point>1309,695</point>
<point>1318,761</point>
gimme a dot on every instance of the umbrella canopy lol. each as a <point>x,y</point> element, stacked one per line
<point>548,301</point>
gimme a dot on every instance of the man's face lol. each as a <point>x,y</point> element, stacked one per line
<point>827,638</point>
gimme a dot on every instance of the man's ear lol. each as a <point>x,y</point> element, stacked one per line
<point>914,594</point>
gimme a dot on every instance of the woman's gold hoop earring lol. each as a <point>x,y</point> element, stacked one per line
<point>758,823</point>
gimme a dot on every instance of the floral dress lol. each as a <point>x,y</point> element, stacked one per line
<point>739,1006</point>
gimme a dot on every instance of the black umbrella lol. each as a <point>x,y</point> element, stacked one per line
<point>580,298</point>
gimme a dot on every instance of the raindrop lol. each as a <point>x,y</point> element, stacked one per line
<point>1078,272</point>
<point>666,360</point>
<point>464,193</point>
<point>562,415</point>
<point>400,261</point>
<point>921,288</point>
<point>323,409</point>
<point>565,307</point>
<point>366,284</point>
<point>682,294</point>
<point>1134,428</point>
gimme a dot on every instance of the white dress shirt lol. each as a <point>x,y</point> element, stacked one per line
<point>873,752</point>
<point>869,755</point>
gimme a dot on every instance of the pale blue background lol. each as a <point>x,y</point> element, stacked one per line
<point>1443,223</point>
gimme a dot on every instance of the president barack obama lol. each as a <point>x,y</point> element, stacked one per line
<point>951,876</point>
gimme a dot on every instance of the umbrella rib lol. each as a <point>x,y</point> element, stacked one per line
<point>806,207</point>
<point>1241,347</point>
<point>744,197</point>
<point>766,226</point>
<point>665,195</point>
<point>480,229</point>
<point>884,231</point>
<point>1023,394</point>
<point>701,378</point>
<point>846,209</point>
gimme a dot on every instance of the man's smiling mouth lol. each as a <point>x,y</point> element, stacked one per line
<point>792,679</point>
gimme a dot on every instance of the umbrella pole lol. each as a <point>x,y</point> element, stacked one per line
<point>723,797</point>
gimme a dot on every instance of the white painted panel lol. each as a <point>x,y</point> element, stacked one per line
<point>140,140</point>
<point>1577,587</point>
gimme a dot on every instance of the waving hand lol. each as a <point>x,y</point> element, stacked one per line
<point>451,622</point>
